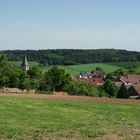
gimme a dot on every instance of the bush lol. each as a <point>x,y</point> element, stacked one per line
<point>81,88</point>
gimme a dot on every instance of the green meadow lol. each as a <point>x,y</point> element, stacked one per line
<point>22,118</point>
<point>76,69</point>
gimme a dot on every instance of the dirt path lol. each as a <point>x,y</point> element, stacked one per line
<point>72,98</point>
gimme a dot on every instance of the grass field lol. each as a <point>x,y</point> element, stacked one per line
<point>22,118</point>
<point>76,69</point>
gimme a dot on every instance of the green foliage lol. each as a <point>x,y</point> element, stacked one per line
<point>56,79</point>
<point>24,81</point>
<point>5,70</point>
<point>35,72</point>
<point>120,72</point>
<point>36,76</point>
<point>70,56</point>
<point>123,92</point>
<point>109,76</point>
<point>98,68</point>
<point>14,78</point>
<point>81,88</point>
<point>11,76</point>
<point>110,87</point>
<point>69,62</point>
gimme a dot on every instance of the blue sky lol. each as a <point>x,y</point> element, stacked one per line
<point>79,24</point>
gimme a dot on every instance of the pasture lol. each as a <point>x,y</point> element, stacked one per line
<point>76,69</point>
<point>23,118</point>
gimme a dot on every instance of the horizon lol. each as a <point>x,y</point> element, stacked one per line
<point>67,49</point>
<point>81,24</point>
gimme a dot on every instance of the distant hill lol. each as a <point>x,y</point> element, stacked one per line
<point>72,56</point>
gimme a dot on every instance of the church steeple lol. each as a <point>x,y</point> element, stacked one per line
<point>25,65</point>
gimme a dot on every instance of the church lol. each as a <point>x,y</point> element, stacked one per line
<point>25,65</point>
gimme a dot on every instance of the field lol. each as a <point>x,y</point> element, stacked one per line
<point>24,118</point>
<point>76,69</point>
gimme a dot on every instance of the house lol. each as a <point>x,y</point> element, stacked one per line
<point>98,73</point>
<point>134,91</point>
<point>133,79</point>
<point>95,77</point>
<point>25,65</point>
<point>97,81</point>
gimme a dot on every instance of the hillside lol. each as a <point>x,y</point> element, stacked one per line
<point>71,57</point>
<point>76,69</point>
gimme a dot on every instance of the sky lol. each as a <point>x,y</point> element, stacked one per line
<point>69,24</point>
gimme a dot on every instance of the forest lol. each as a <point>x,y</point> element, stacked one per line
<point>73,56</point>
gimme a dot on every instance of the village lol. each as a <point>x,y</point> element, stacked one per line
<point>98,77</point>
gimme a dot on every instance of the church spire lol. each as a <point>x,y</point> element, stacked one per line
<point>25,65</point>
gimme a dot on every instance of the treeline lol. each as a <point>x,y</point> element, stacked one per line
<point>72,56</point>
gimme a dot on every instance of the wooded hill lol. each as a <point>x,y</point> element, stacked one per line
<point>72,56</point>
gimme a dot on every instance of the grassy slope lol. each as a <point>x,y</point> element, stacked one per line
<point>76,69</point>
<point>32,118</point>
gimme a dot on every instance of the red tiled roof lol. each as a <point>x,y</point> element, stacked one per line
<point>137,88</point>
<point>98,80</point>
<point>132,78</point>
<point>93,80</point>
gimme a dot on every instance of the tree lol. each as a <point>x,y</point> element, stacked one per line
<point>109,76</point>
<point>110,87</point>
<point>11,76</point>
<point>34,73</point>
<point>123,92</point>
<point>56,79</point>
<point>5,70</point>
<point>14,78</point>
<point>36,76</point>
<point>24,81</point>
<point>120,72</point>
